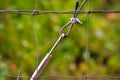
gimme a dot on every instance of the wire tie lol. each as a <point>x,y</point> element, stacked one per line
<point>35,12</point>
<point>75,20</point>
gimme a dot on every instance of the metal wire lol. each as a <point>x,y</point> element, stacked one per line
<point>40,12</point>
<point>35,32</point>
<point>87,38</point>
<point>19,74</point>
<point>67,77</point>
<point>83,3</point>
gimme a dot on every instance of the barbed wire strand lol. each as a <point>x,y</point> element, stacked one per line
<point>40,12</point>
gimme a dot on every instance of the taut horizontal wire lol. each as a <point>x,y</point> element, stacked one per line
<point>69,77</point>
<point>39,12</point>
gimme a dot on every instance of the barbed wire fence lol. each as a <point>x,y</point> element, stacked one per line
<point>73,20</point>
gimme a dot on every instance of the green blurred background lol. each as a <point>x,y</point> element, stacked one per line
<point>18,46</point>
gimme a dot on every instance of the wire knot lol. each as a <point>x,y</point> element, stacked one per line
<point>75,21</point>
<point>35,12</point>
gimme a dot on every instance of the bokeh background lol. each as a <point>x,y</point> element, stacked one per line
<point>18,46</point>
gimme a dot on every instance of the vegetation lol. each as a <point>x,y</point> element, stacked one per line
<point>18,46</point>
